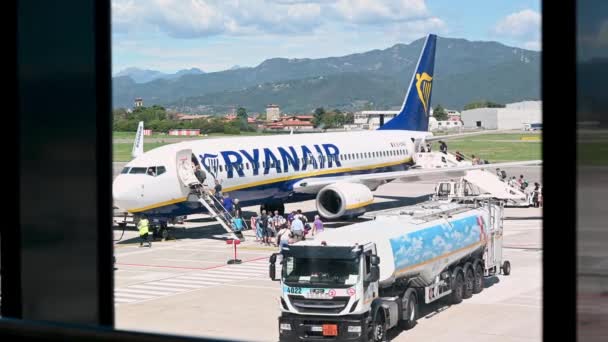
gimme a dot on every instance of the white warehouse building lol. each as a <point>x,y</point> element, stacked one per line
<point>513,116</point>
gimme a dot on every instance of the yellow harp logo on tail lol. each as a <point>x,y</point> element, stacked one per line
<point>423,86</point>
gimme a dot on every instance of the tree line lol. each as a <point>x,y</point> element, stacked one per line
<point>331,118</point>
<point>158,119</point>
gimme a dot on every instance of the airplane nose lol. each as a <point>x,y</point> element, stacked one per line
<point>122,192</point>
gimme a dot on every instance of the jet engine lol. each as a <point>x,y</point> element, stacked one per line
<point>343,199</point>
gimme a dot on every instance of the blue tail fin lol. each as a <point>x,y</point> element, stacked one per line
<point>414,113</point>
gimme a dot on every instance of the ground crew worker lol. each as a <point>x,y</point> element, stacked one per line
<point>144,229</point>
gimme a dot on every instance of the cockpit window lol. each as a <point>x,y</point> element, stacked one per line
<point>160,170</point>
<point>138,170</point>
<point>125,170</point>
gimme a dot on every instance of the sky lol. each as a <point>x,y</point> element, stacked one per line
<point>215,35</point>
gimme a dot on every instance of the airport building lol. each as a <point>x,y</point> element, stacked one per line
<point>370,119</point>
<point>444,125</point>
<point>273,112</point>
<point>513,116</point>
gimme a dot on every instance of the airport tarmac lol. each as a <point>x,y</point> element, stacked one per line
<point>184,286</point>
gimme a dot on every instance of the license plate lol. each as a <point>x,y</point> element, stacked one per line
<point>330,330</point>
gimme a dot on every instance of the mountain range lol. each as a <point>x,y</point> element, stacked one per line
<point>465,71</point>
<point>145,75</point>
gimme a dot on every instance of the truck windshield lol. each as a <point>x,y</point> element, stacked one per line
<point>324,272</point>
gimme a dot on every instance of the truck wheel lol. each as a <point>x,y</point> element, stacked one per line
<point>506,268</point>
<point>478,282</point>
<point>457,289</point>
<point>411,303</point>
<point>469,280</point>
<point>378,331</point>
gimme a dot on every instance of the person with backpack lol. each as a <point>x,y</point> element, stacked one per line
<point>283,237</point>
<point>237,224</point>
<point>443,147</point>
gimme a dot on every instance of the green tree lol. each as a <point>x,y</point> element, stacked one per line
<point>318,116</point>
<point>119,114</point>
<point>483,104</point>
<point>439,113</point>
<point>232,127</point>
<point>241,114</point>
<point>349,119</point>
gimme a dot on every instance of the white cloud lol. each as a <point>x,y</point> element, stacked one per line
<point>201,18</point>
<point>523,23</point>
<point>371,11</point>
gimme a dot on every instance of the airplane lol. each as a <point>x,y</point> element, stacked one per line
<point>339,170</point>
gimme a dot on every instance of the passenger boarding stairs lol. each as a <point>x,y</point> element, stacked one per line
<point>218,212</point>
<point>197,192</point>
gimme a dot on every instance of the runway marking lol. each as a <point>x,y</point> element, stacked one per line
<point>199,278</point>
<point>189,260</point>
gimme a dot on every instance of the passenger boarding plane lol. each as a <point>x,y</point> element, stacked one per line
<point>339,170</point>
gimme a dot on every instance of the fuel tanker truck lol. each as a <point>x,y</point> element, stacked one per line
<point>357,282</point>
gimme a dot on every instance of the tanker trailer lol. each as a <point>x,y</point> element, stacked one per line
<point>357,282</point>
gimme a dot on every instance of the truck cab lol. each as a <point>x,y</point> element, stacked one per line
<point>326,291</point>
<point>454,189</point>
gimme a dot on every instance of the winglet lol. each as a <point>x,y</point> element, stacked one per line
<point>138,144</point>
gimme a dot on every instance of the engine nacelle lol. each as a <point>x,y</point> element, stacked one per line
<point>343,199</point>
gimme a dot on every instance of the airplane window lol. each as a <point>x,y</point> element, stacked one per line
<point>160,170</point>
<point>221,168</point>
<point>264,164</point>
<point>138,170</point>
<point>125,170</point>
<point>247,166</point>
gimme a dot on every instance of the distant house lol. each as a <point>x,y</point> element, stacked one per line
<point>229,117</point>
<point>189,118</point>
<point>289,122</point>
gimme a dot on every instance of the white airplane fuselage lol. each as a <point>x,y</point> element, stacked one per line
<point>258,169</point>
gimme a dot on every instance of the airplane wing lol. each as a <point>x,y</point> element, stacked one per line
<point>313,185</point>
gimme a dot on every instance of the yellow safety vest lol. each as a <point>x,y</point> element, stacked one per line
<point>142,225</point>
